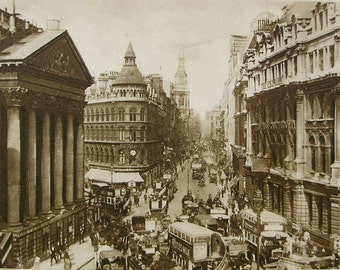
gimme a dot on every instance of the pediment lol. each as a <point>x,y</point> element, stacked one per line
<point>61,57</point>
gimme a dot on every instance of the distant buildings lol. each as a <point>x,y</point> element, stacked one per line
<point>287,90</point>
<point>42,83</point>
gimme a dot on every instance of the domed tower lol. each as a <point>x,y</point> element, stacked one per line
<point>181,92</point>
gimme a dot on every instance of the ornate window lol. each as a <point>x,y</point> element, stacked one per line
<point>121,157</point>
<point>142,134</point>
<point>133,113</point>
<point>322,154</point>
<point>142,114</point>
<point>133,135</point>
<point>121,114</point>
<point>121,133</point>
<point>312,152</point>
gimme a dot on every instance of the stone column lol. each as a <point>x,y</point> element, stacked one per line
<point>299,160</point>
<point>69,170</point>
<point>31,164</point>
<point>335,214</point>
<point>46,166</point>
<point>300,207</point>
<point>58,163</point>
<point>13,165</point>
<point>325,214</point>
<point>335,181</point>
<point>80,165</point>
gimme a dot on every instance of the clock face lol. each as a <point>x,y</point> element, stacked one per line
<point>133,152</point>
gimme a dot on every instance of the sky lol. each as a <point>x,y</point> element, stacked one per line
<point>102,29</point>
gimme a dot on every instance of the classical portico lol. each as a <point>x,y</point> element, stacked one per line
<point>41,164</point>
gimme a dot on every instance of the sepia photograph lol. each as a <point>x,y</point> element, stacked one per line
<point>169,134</point>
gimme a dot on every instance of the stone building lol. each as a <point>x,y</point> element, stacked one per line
<point>127,124</point>
<point>293,106</point>
<point>42,83</point>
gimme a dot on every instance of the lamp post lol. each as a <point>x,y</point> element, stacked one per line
<point>258,206</point>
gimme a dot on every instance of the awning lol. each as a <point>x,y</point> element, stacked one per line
<point>100,175</point>
<point>125,177</point>
<point>99,184</point>
<point>108,177</point>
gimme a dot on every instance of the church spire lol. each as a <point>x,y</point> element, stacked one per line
<point>181,75</point>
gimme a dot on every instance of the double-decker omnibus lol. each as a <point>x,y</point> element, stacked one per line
<point>195,247</point>
<point>272,235</point>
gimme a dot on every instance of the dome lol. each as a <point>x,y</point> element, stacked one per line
<point>129,75</point>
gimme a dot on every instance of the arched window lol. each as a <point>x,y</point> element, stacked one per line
<point>121,157</point>
<point>121,133</point>
<point>133,113</point>
<point>142,134</point>
<point>312,152</point>
<point>142,114</point>
<point>97,115</point>
<point>121,114</point>
<point>322,154</point>
<point>133,134</point>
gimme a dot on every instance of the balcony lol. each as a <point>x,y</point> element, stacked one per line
<point>274,83</point>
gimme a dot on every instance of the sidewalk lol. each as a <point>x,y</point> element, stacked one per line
<point>80,255</point>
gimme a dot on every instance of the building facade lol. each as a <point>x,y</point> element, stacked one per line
<point>127,122</point>
<point>42,83</point>
<point>293,118</point>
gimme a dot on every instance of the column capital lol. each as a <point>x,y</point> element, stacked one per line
<point>337,38</point>
<point>299,96</point>
<point>336,90</point>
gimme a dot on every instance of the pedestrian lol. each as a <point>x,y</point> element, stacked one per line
<point>336,260</point>
<point>67,264</point>
<point>66,255</point>
<point>145,198</point>
<point>81,234</point>
<point>137,201</point>
<point>53,255</point>
<point>36,262</point>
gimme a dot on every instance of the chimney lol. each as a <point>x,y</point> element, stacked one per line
<point>53,25</point>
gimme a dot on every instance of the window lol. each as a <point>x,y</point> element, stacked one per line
<point>321,63</point>
<point>133,113</point>
<point>331,56</point>
<point>326,17</point>
<point>295,65</point>
<point>121,114</point>
<point>121,157</point>
<point>121,134</point>
<point>323,154</point>
<point>133,134</point>
<point>142,133</point>
<point>311,63</point>
<point>312,153</point>
<point>315,23</point>
<point>181,101</point>
<point>321,20</point>
<point>142,114</point>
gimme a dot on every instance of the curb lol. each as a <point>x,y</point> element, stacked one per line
<point>81,266</point>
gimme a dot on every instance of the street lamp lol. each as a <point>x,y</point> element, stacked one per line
<point>258,206</point>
